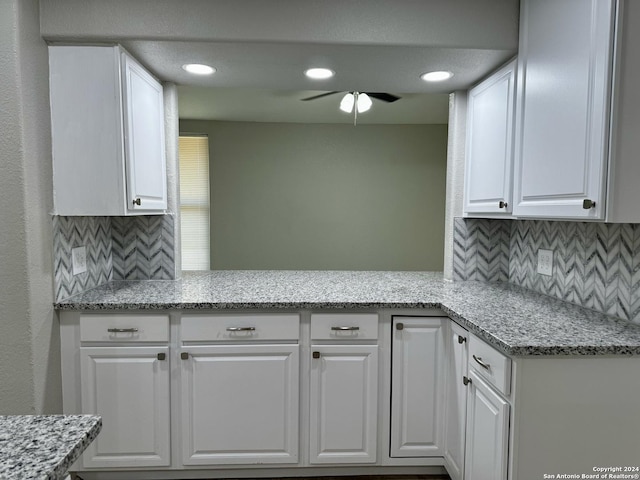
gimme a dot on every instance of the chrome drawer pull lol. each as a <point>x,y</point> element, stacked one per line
<point>241,329</point>
<point>345,329</point>
<point>461,339</point>
<point>122,330</point>
<point>481,363</point>
<point>466,381</point>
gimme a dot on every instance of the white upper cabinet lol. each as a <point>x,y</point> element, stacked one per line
<point>562,120</point>
<point>107,123</point>
<point>489,148</point>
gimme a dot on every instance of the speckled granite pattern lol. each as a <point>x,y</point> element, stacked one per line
<point>514,320</point>
<point>43,446</point>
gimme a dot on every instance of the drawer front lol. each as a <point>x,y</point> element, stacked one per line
<point>126,328</point>
<point>490,364</point>
<point>344,326</point>
<point>240,328</point>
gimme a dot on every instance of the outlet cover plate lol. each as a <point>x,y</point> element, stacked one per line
<point>545,262</point>
<point>79,260</point>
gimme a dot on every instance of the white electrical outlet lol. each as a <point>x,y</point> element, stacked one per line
<point>79,260</point>
<point>545,262</point>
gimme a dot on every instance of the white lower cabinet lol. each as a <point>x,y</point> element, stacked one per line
<point>129,388</point>
<point>417,381</point>
<point>487,445</point>
<point>343,404</point>
<point>455,395</point>
<point>239,404</point>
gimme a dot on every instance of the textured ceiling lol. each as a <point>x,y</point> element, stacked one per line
<point>263,46</point>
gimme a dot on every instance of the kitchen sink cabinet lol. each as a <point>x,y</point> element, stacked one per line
<point>455,395</point>
<point>489,145</point>
<point>343,417</point>
<point>417,386</point>
<point>107,125</point>
<point>239,391</point>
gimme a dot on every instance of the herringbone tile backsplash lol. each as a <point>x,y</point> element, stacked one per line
<point>118,248</point>
<point>595,265</point>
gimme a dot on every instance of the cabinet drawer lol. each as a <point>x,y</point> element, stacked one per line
<point>344,326</point>
<point>206,327</point>
<point>124,328</point>
<point>490,364</point>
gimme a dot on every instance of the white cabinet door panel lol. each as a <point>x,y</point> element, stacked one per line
<point>489,155</point>
<point>344,399</point>
<point>487,442</point>
<point>564,74</point>
<point>456,400</point>
<point>240,404</point>
<point>144,127</point>
<point>417,387</point>
<point>129,388</point>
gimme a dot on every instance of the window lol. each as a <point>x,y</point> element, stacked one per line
<point>194,201</point>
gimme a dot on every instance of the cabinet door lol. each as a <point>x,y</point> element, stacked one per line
<point>129,388</point>
<point>144,139</point>
<point>489,155</point>
<point>487,433</point>
<point>564,73</point>
<point>344,404</point>
<point>240,404</point>
<point>455,400</point>
<point>417,387</point>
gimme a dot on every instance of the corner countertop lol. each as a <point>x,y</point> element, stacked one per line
<point>43,446</point>
<point>516,321</point>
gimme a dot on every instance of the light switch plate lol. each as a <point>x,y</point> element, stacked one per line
<point>545,262</point>
<point>79,260</point>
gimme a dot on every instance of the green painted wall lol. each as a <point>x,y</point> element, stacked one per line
<point>326,197</point>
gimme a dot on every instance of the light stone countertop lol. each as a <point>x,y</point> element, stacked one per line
<point>43,447</point>
<point>516,321</point>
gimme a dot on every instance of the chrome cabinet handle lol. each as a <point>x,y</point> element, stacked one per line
<point>466,381</point>
<point>502,204</point>
<point>588,204</point>
<point>162,356</point>
<point>461,339</point>
<point>399,326</point>
<point>241,329</point>
<point>122,330</point>
<point>345,329</point>
<point>137,201</point>
<point>184,356</point>
<point>481,363</point>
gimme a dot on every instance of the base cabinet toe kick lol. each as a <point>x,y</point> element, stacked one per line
<point>268,394</point>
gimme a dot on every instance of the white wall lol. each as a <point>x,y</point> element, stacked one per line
<point>29,338</point>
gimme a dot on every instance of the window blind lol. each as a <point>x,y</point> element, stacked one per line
<point>194,201</point>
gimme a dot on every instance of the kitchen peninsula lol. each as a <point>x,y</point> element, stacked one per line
<point>348,373</point>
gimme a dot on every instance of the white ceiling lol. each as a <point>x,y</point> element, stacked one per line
<point>261,47</point>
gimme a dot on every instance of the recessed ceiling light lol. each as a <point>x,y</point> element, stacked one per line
<point>317,73</point>
<point>198,68</point>
<point>438,76</point>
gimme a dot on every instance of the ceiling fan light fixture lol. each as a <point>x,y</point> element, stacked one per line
<point>319,73</point>
<point>347,103</point>
<point>364,102</point>
<point>436,76</point>
<point>198,69</point>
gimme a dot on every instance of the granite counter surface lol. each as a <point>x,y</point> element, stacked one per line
<point>43,446</point>
<point>514,320</point>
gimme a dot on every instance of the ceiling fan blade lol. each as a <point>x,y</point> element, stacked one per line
<point>385,97</point>
<point>318,96</point>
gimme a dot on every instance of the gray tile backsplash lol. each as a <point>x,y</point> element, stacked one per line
<point>118,248</point>
<point>595,265</point>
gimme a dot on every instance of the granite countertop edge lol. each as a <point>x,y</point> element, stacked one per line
<point>44,446</point>
<point>516,321</point>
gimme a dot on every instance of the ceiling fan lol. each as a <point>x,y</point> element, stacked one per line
<point>357,102</point>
